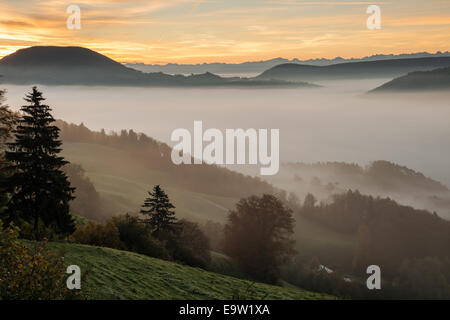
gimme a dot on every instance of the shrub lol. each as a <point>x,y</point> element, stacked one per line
<point>94,233</point>
<point>123,233</point>
<point>136,237</point>
<point>31,272</point>
<point>188,244</point>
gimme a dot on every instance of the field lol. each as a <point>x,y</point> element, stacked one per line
<point>115,274</point>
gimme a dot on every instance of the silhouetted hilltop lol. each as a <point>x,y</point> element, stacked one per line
<point>81,66</point>
<point>353,70</point>
<point>256,67</point>
<point>438,79</point>
<point>65,65</point>
<point>70,57</point>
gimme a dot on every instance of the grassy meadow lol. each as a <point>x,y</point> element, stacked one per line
<point>115,274</point>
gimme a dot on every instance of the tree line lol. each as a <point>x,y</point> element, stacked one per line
<point>411,246</point>
<point>205,178</point>
<point>387,232</point>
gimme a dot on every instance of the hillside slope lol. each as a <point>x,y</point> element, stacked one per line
<point>438,79</point>
<point>353,70</point>
<point>115,274</point>
<point>123,177</point>
<point>123,183</point>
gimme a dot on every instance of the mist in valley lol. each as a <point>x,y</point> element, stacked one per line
<point>336,122</point>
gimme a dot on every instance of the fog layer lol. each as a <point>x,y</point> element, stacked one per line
<point>334,123</point>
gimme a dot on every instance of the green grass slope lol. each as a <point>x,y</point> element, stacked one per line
<point>115,274</point>
<point>123,182</point>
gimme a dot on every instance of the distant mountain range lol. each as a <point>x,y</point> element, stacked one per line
<point>257,67</point>
<point>438,79</point>
<point>81,66</point>
<point>353,70</point>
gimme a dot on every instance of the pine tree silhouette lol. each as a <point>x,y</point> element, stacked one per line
<point>40,190</point>
<point>7,123</point>
<point>161,216</point>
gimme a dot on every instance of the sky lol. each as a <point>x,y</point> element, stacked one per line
<point>233,31</point>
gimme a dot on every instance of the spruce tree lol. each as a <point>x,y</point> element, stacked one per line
<point>159,210</point>
<point>7,123</point>
<point>40,191</point>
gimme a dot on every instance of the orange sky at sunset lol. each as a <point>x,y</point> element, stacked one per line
<point>183,31</point>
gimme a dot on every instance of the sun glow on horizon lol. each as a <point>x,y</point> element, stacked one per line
<point>185,31</point>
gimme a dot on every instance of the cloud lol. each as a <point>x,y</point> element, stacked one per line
<point>15,23</point>
<point>194,31</point>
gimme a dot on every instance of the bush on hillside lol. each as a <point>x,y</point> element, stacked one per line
<point>97,234</point>
<point>187,245</point>
<point>123,233</point>
<point>31,272</point>
<point>136,237</point>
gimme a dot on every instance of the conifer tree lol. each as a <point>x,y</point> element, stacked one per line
<point>161,217</point>
<point>7,122</point>
<point>40,191</point>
